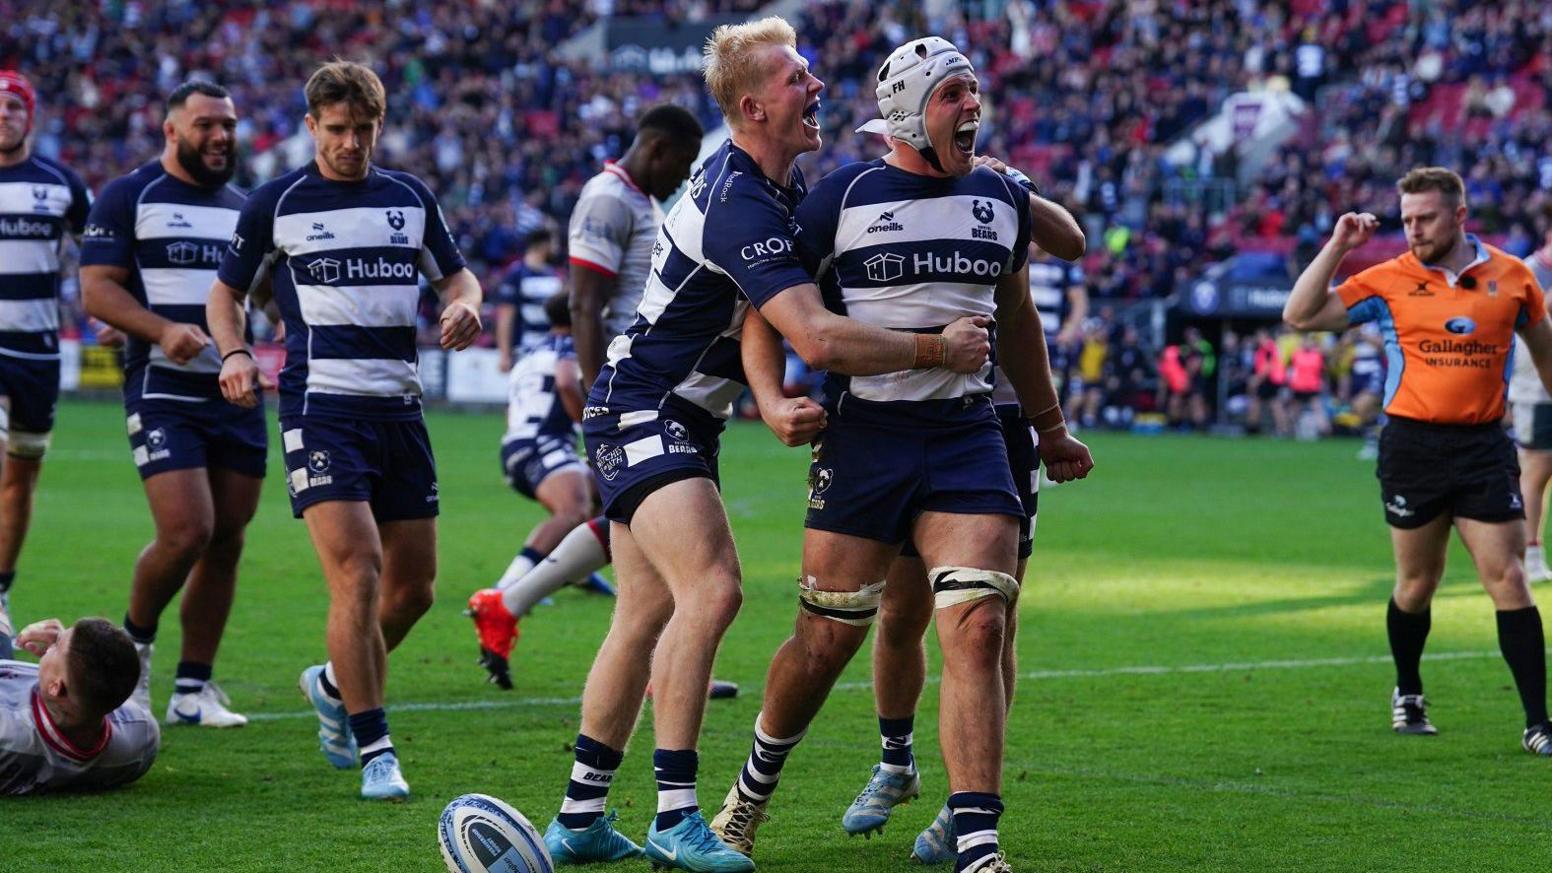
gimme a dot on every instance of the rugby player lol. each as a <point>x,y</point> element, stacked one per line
<point>1532,411</point>
<point>652,425</point>
<point>41,202</point>
<point>520,320</point>
<point>345,242</point>
<point>152,244</point>
<point>916,239</point>
<point>79,719</point>
<point>612,231</point>
<point>1449,308</point>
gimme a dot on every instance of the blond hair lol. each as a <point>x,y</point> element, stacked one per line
<point>1442,179</point>
<point>349,82</point>
<point>732,68</point>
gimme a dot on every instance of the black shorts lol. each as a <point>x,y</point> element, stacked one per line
<point>1024,464</point>
<point>1465,471</point>
<point>1267,390</point>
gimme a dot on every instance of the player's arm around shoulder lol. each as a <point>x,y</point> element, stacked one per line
<point>1314,305</point>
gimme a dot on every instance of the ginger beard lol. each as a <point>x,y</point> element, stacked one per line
<point>1433,225</point>
<point>15,123</point>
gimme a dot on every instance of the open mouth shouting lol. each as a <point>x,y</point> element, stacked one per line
<point>811,116</point>
<point>964,138</point>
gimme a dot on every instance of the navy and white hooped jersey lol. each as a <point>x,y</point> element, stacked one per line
<point>727,243</point>
<point>611,232</point>
<point>345,258</point>
<point>527,289</point>
<point>534,408</point>
<point>912,252</point>
<point>1049,281</point>
<point>35,756</point>
<point>170,235</point>
<point>40,201</point>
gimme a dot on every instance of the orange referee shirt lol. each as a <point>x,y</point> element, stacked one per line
<point>1448,339</point>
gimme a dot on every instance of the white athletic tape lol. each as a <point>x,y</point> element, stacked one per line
<point>952,586</point>
<point>31,446</point>
<point>856,608</point>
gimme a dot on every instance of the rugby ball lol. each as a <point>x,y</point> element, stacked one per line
<point>479,833</point>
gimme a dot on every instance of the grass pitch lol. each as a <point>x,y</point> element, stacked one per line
<point>1205,682</point>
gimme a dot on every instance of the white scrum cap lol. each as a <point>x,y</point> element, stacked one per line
<point>906,81</point>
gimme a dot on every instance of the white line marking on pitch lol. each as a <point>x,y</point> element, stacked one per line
<point>1034,675</point>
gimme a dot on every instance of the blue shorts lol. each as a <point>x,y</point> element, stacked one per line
<point>385,464</point>
<point>169,435</point>
<point>527,463</point>
<point>1024,464</point>
<point>878,466</point>
<point>635,453</point>
<point>33,387</point>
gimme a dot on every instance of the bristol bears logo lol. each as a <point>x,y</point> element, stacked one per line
<point>325,270</point>
<point>819,479</point>
<point>318,461</point>
<point>885,267</point>
<point>156,439</point>
<point>983,212</point>
<point>608,461</point>
<point>676,430</point>
<point>396,221</point>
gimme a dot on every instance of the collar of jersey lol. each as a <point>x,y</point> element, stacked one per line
<point>1482,257</point>
<point>55,738</point>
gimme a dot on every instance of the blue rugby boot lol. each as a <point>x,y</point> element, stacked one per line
<point>334,736</point>
<point>599,841</point>
<point>937,844</point>
<point>381,779</point>
<point>690,845</point>
<point>596,584</point>
<point>884,791</point>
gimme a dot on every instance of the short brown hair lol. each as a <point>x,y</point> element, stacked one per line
<point>102,666</point>
<point>349,82</point>
<point>1442,179</point>
<point>731,67</point>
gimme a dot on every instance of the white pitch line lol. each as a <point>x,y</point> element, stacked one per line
<point>1034,676</point>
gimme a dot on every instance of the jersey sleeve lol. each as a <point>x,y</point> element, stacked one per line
<point>509,287</point>
<point>819,217</point>
<point>109,237</point>
<point>599,233</point>
<point>1026,224</point>
<point>439,254</point>
<point>80,203</point>
<point>1534,308</point>
<point>749,238</point>
<point>1362,295</point>
<point>252,249</point>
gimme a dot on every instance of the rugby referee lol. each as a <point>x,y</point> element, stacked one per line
<point>1449,308</point>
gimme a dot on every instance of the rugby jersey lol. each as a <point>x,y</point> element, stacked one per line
<point>1525,385</point>
<point>534,408</point>
<point>170,235</point>
<point>40,201</point>
<point>36,757</point>
<point>727,243</point>
<point>611,232</point>
<point>345,259</point>
<point>527,288</point>
<point>1448,337</point>
<point>912,252</point>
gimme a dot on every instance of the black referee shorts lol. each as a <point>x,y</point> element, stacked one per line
<point>1465,471</point>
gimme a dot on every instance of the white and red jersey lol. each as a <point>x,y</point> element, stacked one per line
<point>36,757</point>
<point>612,231</point>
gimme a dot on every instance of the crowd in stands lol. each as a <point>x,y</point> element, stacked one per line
<point>1085,95</point>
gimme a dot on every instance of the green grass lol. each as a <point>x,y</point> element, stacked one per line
<point>1179,553</point>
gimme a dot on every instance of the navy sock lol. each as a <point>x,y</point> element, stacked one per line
<point>896,733</point>
<point>762,771</point>
<point>1523,643</point>
<point>1408,632</point>
<point>532,554</point>
<point>142,635</point>
<point>191,677</point>
<point>588,789</point>
<point>329,689</point>
<point>6,580</point>
<point>370,729</point>
<point>675,769</point>
<point>975,828</point>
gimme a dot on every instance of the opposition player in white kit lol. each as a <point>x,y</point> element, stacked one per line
<point>79,719</point>
<point>1532,410</point>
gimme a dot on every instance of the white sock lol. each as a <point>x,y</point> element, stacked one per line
<point>516,570</point>
<point>579,554</point>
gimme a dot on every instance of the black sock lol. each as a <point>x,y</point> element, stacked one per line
<point>191,677</point>
<point>587,792</point>
<point>370,729</point>
<point>1408,633</point>
<point>6,580</point>
<point>142,635</point>
<point>1524,646</point>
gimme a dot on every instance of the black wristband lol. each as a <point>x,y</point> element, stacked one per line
<point>242,351</point>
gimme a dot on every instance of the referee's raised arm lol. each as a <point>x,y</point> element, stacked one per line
<point>1313,305</point>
